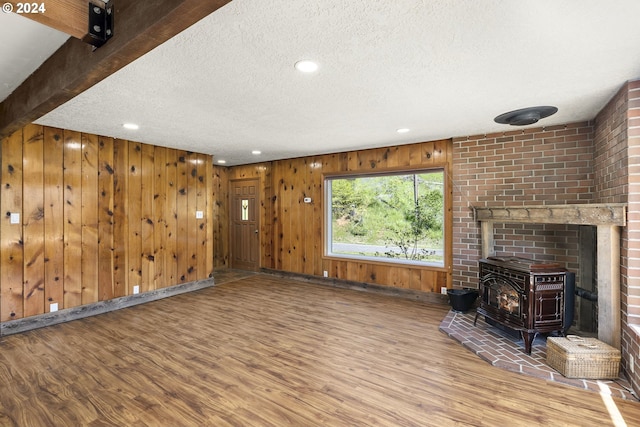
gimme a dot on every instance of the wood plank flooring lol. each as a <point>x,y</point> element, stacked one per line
<point>266,351</point>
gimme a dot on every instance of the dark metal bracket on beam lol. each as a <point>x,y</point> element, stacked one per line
<point>100,24</point>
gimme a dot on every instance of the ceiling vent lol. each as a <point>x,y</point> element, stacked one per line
<point>525,116</point>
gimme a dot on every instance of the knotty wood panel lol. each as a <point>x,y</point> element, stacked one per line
<point>386,275</point>
<point>33,221</point>
<point>308,247</point>
<point>53,217</point>
<point>192,222</point>
<point>106,262</point>
<point>134,216</point>
<point>266,215</point>
<point>160,225</point>
<point>296,239</point>
<point>72,218</point>
<point>89,216</point>
<point>171,215</point>
<point>209,254</point>
<point>147,223</point>
<point>182,211</point>
<point>94,210</point>
<point>293,237</point>
<point>399,277</point>
<point>220,218</point>
<point>278,218</point>
<point>120,216</point>
<point>398,156</point>
<point>288,206</point>
<point>11,250</point>
<point>414,279</point>
<point>201,224</point>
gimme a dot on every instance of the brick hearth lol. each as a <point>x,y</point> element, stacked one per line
<point>503,351</point>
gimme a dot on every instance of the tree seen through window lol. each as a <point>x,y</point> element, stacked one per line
<point>393,217</point>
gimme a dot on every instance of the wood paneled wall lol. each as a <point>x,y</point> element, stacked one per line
<point>98,216</point>
<point>291,236</point>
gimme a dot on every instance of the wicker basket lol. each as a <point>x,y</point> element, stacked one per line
<point>576,357</point>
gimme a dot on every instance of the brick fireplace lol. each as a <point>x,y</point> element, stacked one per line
<point>608,219</point>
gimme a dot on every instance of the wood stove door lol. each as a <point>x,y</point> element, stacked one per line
<point>502,299</point>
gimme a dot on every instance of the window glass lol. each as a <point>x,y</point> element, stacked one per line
<point>396,217</point>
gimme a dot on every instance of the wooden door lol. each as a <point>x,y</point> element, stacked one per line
<point>245,235</point>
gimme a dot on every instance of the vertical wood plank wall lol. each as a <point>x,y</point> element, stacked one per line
<point>221,216</point>
<point>53,211</point>
<point>291,235</point>
<point>33,220</point>
<point>11,247</point>
<point>98,216</point>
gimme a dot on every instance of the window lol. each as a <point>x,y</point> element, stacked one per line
<point>392,217</point>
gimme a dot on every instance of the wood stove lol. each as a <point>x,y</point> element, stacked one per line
<point>524,296</point>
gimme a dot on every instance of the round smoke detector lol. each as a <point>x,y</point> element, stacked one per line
<point>525,116</point>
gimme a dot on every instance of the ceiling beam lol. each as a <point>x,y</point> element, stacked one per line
<point>69,16</point>
<point>139,27</point>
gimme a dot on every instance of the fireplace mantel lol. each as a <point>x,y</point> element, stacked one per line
<point>608,218</point>
<point>580,214</point>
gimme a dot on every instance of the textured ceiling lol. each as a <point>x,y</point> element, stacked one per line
<point>442,68</point>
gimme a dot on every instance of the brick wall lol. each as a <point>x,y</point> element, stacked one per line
<point>618,180</point>
<point>610,159</point>
<point>631,241</point>
<point>540,166</point>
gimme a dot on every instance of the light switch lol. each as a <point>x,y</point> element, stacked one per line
<point>15,218</point>
<point>199,214</point>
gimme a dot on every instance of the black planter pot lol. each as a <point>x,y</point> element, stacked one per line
<point>462,300</point>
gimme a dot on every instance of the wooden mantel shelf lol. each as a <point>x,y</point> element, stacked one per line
<point>607,218</point>
<point>580,214</point>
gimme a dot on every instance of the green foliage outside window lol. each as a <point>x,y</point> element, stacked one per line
<point>395,216</point>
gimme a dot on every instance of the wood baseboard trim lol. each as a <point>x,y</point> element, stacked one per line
<point>66,315</point>
<point>429,297</point>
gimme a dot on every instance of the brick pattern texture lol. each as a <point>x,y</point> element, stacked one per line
<point>618,179</point>
<point>631,266</point>
<point>540,166</point>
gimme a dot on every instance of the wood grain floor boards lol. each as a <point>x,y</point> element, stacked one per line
<point>265,351</point>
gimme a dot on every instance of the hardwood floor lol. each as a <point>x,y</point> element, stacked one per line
<point>266,351</point>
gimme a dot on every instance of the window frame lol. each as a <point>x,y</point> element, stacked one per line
<point>395,262</point>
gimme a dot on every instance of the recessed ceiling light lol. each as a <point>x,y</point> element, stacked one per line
<point>131,126</point>
<point>403,130</point>
<point>256,152</point>
<point>306,66</point>
<point>222,162</point>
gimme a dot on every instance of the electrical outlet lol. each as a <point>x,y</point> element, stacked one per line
<point>136,289</point>
<point>53,307</point>
<point>443,290</point>
<point>199,214</point>
<point>325,273</point>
